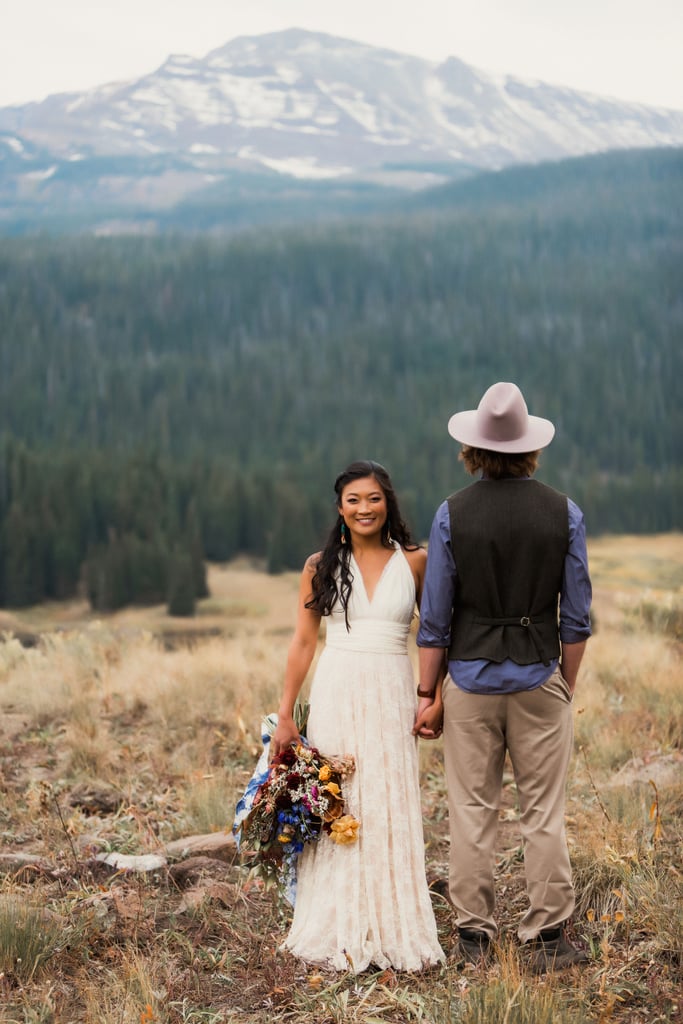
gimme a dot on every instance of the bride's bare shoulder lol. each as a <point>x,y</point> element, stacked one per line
<point>417,559</point>
<point>312,562</point>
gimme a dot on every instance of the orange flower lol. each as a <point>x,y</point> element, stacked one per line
<point>325,773</point>
<point>345,830</point>
<point>335,809</point>
<point>332,788</point>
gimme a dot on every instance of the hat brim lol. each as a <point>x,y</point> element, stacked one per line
<point>464,428</point>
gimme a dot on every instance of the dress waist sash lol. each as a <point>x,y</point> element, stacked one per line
<point>371,636</point>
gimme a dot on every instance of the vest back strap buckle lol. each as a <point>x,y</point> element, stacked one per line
<point>528,623</point>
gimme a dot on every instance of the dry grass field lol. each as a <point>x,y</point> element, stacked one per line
<point>122,735</point>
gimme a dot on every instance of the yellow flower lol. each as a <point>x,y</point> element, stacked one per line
<point>332,788</point>
<point>325,773</point>
<point>282,838</point>
<point>345,830</point>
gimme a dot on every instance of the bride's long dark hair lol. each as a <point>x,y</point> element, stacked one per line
<point>333,578</point>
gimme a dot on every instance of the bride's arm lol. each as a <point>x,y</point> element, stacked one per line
<point>302,649</point>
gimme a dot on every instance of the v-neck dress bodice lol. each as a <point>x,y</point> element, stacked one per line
<point>379,625</point>
<point>369,902</point>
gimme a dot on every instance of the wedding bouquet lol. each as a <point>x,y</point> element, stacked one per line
<point>297,800</point>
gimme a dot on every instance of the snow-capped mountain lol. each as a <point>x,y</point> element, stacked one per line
<point>307,105</point>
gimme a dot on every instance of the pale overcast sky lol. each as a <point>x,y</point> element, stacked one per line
<point>630,49</point>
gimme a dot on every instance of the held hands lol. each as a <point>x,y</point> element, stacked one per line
<point>429,717</point>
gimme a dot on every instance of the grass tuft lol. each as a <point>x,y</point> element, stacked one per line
<point>29,938</point>
<point>524,1003</point>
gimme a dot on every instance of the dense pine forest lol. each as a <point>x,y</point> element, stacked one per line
<point>166,400</point>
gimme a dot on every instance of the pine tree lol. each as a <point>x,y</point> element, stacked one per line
<point>181,591</point>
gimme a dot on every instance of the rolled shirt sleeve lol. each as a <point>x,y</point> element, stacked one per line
<point>576,593</point>
<point>438,592</point>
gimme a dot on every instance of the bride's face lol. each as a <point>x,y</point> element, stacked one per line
<point>363,507</point>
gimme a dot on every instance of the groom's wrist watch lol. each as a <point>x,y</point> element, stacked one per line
<point>424,693</point>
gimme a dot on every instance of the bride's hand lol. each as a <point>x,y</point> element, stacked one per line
<point>429,718</point>
<point>286,733</point>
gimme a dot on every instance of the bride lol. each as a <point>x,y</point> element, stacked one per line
<point>366,903</point>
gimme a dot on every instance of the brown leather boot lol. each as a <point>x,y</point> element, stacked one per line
<point>474,947</point>
<point>552,951</point>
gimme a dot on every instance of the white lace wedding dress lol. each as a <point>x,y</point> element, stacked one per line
<point>368,902</point>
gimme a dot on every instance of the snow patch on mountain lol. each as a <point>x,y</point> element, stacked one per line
<point>296,167</point>
<point>41,175</point>
<point>14,144</point>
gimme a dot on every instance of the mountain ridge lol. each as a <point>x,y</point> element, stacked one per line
<point>298,105</point>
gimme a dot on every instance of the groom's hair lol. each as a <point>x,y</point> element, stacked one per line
<point>496,465</point>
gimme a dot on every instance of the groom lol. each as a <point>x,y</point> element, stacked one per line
<point>504,554</point>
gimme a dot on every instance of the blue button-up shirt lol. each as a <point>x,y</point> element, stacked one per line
<point>436,609</point>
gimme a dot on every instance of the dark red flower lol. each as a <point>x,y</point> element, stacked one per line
<point>287,757</point>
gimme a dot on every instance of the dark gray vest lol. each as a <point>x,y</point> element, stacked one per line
<point>509,540</point>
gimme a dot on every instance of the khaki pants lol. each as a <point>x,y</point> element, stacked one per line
<point>536,728</point>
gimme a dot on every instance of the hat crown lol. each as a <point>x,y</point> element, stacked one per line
<point>502,414</point>
<point>501,423</point>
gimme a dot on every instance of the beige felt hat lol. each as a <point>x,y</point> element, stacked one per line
<point>501,423</point>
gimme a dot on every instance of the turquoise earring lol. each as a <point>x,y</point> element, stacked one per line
<point>343,533</point>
